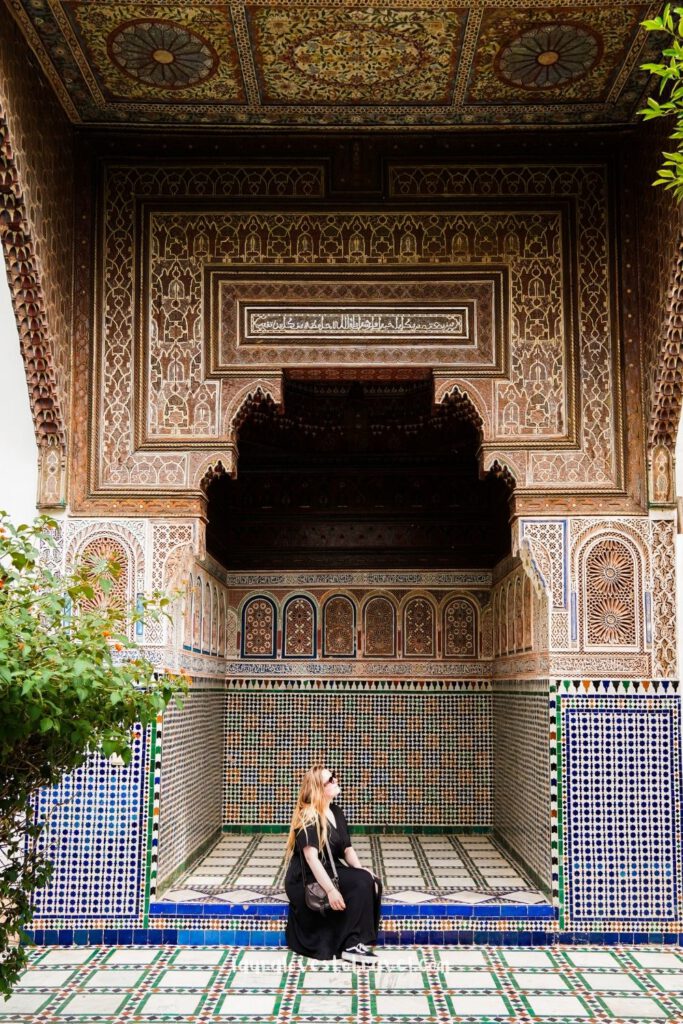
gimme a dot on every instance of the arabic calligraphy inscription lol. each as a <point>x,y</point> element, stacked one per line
<point>269,323</point>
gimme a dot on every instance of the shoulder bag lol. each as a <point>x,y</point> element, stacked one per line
<point>314,894</point>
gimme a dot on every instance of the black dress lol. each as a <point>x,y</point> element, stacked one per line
<point>326,936</point>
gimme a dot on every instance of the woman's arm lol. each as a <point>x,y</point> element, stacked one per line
<point>321,876</point>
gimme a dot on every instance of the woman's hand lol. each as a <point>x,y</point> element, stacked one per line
<point>321,876</point>
<point>336,900</point>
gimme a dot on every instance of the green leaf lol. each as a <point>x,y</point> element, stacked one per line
<point>57,709</point>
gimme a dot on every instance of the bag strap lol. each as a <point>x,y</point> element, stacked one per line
<point>303,865</point>
<point>335,876</point>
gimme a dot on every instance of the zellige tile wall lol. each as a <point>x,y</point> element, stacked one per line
<point>96,838</point>
<point>521,776</point>
<point>620,805</point>
<point>192,755</point>
<point>413,754</point>
<point>403,758</point>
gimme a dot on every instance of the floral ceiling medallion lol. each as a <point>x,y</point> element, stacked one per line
<point>548,56</point>
<point>288,63</point>
<point>162,54</point>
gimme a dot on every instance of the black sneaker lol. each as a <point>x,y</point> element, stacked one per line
<point>359,954</point>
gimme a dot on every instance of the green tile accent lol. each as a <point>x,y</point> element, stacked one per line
<point>521,866</point>
<point>150,822</point>
<point>289,975</point>
<point>189,861</point>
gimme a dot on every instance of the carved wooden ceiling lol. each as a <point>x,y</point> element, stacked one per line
<point>353,474</point>
<point>341,63</point>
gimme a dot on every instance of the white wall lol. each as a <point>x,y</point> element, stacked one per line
<point>18,453</point>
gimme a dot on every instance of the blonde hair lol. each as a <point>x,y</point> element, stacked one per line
<point>310,809</point>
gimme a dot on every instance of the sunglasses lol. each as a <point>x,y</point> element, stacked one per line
<point>332,778</point>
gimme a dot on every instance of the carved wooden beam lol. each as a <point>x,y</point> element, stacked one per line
<point>23,275</point>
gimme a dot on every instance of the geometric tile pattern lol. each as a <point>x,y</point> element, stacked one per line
<point>106,823</point>
<point>521,777</point>
<point>96,838</point>
<point>559,984</point>
<point>191,774</point>
<point>415,869</point>
<point>416,739</point>
<point>621,791</point>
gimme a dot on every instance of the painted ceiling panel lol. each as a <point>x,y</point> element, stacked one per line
<point>338,63</point>
<point>552,55</point>
<point>189,55</point>
<point>356,56</point>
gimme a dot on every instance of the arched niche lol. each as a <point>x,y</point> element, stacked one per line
<point>259,627</point>
<point>339,627</point>
<point>358,473</point>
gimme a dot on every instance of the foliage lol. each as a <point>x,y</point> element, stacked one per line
<point>670,74</point>
<point>72,684</point>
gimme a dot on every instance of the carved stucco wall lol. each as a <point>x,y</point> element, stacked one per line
<point>659,261</point>
<point>610,584</point>
<point>36,152</point>
<point>591,596</point>
<point>532,260</point>
<point>217,250</point>
<point>155,555</point>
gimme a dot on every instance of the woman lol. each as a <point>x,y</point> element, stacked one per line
<point>351,923</point>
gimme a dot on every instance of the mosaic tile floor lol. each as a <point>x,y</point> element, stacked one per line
<point>562,985</point>
<point>415,869</point>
